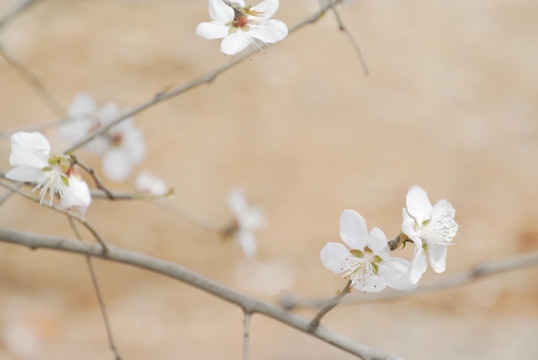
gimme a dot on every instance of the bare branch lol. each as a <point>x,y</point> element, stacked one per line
<point>100,298</point>
<point>33,81</point>
<point>14,188</point>
<point>16,10</point>
<point>479,271</point>
<point>246,335</point>
<point>205,79</point>
<point>330,305</point>
<point>342,27</point>
<point>176,271</point>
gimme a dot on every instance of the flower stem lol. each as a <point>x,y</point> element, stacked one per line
<point>330,305</point>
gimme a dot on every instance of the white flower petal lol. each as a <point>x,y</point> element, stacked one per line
<point>150,184</point>
<point>82,105</point>
<point>267,9</point>
<point>418,265</point>
<point>24,174</point>
<point>133,144</point>
<point>212,30</point>
<point>353,229</point>
<point>334,256</point>
<point>418,204</point>
<point>395,272</point>
<point>219,11</point>
<point>269,31</point>
<point>377,242</point>
<point>252,219</point>
<point>408,228</point>
<point>236,42</point>
<point>438,256</point>
<point>237,201</point>
<point>248,243</point>
<point>442,207</point>
<point>29,150</point>
<point>76,195</point>
<point>116,164</point>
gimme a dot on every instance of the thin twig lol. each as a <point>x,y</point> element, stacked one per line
<point>176,271</point>
<point>246,335</point>
<point>16,10</point>
<point>87,225</point>
<point>479,271</point>
<point>205,79</point>
<point>342,27</point>
<point>95,178</point>
<point>33,81</point>
<point>100,298</point>
<point>330,305</point>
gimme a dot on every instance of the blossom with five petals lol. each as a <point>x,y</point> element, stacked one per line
<point>247,220</point>
<point>431,228</point>
<point>240,26</point>
<point>368,264</point>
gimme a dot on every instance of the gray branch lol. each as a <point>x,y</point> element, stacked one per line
<point>176,271</point>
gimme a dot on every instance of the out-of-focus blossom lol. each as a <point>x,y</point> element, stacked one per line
<point>149,184</point>
<point>240,26</point>
<point>247,220</point>
<point>77,195</point>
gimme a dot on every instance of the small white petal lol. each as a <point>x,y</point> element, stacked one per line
<point>377,242</point>
<point>408,228</point>
<point>353,230</point>
<point>236,42</point>
<point>370,282</point>
<point>212,30</point>
<point>334,256</point>
<point>395,272</point>
<point>77,195</point>
<point>24,174</point>
<point>418,204</point>
<point>418,265</point>
<point>116,164</point>
<point>270,31</point>
<point>219,11</point>
<point>237,201</point>
<point>437,256</point>
<point>442,207</point>
<point>267,9</point>
<point>82,105</point>
<point>150,184</point>
<point>29,150</point>
<point>133,144</point>
<point>248,243</point>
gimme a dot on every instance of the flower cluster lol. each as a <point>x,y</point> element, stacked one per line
<point>31,161</point>
<point>368,264</point>
<point>121,147</point>
<point>239,25</point>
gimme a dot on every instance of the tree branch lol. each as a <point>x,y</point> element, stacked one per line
<point>16,10</point>
<point>205,79</point>
<point>173,270</point>
<point>479,271</point>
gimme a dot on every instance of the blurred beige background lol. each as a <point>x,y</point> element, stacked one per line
<point>450,104</point>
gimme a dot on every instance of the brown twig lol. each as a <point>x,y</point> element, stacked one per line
<point>329,306</point>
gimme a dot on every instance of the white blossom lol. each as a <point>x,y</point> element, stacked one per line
<point>240,26</point>
<point>77,195</point>
<point>147,183</point>
<point>368,264</point>
<point>431,228</point>
<point>31,161</point>
<point>247,220</point>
